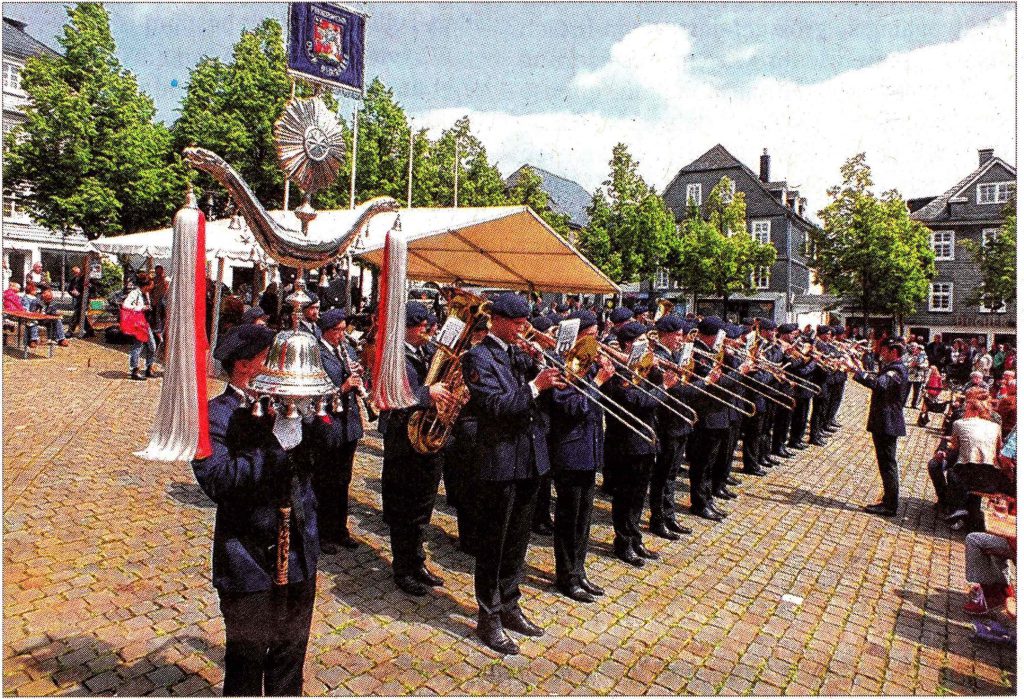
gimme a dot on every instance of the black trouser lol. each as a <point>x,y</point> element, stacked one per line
<point>780,429</point>
<point>506,509</point>
<point>798,424</point>
<point>885,453</point>
<point>632,478</point>
<point>767,422</point>
<point>460,481</point>
<point>753,427</point>
<point>838,391</point>
<point>76,313</point>
<point>722,465</point>
<point>663,478</point>
<point>542,509</point>
<point>573,509</point>
<point>915,393</point>
<point>408,491</point>
<point>704,450</point>
<point>819,414</point>
<point>266,634</point>
<point>330,483</point>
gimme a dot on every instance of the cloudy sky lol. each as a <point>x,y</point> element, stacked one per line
<point>919,87</point>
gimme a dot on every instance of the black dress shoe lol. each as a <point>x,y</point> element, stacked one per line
<point>660,529</point>
<point>410,585</point>
<point>799,446</point>
<point>733,481</point>
<point>138,375</point>
<point>717,510</point>
<point>673,526</point>
<point>327,548</point>
<point>645,552</point>
<point>629,556</point>
<point>819,442</point>
<point>590,587</point>
<point>708,513</point>
<point>828,431</point>
<point>576,592</point>
<point>543,529</point>
<point>879,509</point>
<point>725,494</point>
<point>772,461</point>
<point>428,578</point>
<point>348,542</point>
<point>785,453</point>
<point>516,621</point>
<point>834,425</point>
<point>755,472</point>
<point>489,630</point>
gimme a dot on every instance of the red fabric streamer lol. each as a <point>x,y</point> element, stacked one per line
<point>203,448</point>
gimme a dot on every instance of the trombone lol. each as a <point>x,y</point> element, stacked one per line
<point>749,381</point>
<point>638,374</point>
<point>533,343</point>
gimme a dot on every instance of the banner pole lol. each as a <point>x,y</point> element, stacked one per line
<point>355,142</point>
<point>409,193</point>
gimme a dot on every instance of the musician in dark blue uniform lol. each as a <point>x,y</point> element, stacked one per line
<point>673,432</point>
<point>885,420</point>
<point>542,522</point>
<point>806,369</point>
<point>753,426</point>
<point>629,458</point>
<point>576,446</point>
<point>827,380</point>
<point>512,453</point>
<point>770,352</point>
<point>616,319</point>
<point>838,333</point>
<point>248,475</point>
<point>344,429</point>
<point>784,416</point>
<point>409,480</point>
<point>736,370</point>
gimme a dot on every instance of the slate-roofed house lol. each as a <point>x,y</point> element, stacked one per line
<point>775,214</point>
<point>24,241</point>
<point>564,195</point>
<point>971,209</point>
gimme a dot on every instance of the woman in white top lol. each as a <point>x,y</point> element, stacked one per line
<point>977,440</point>
<point>139,301</point>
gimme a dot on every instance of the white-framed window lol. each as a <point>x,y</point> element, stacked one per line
<point>693,193</point>
<point>661,278</point>
<point>1001,308</point>
<point>761,278</point>
<point>943,244</point>
<point>988,235</point>
<point>11,208</point>
<point>12,76</point>
<point>761,230</point>
<point>995,192</point>
<point>729,192</point>
<point>941,298</point>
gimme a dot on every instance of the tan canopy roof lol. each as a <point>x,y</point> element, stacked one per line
<point>509,247</point>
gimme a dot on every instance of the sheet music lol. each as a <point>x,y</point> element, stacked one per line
<point>568,331</point>
<point>685,353</point>
<point>450,332</point>
<point>719,341</point>
<point>639,350</point>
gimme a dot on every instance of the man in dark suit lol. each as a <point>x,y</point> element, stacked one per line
<point>576,445</point>
<point>512,453</point>
<point>805,369</point>
<point>770,352</point>
<point>753,426</point>
<point>310,316</point>
<point>409,480</point>
<point>542,522</point>
<point>839,389</point>
<point>673,431</point>
<point>827,382</point>
<point>344,428</point>
<point>247,475</point>
<point>885,420</point>
<point>630,458</point>
<point>783,416</point>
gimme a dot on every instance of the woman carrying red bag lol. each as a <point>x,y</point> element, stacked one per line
<point>135,324</point>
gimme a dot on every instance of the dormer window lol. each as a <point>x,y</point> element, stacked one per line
<point>12,77</point>
<point>729,192</point>
<point>693,193</point>
<point>995,192</point>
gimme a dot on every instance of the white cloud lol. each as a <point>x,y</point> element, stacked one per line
<point>742,54</point>
<point>920,116</point>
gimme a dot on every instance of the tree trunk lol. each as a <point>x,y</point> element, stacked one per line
<point>725,305</point>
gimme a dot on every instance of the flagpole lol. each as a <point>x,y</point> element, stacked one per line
<point>409,193</point>
<point>456,172</point>
<point>355,142</point>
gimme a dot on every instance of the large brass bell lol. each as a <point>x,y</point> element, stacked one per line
<point>293,368</point>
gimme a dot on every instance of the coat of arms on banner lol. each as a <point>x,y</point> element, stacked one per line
<point>326,44</point>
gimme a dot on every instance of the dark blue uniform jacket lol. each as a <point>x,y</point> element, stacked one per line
<point>394,423</point>
<point>576,439</point>
<point>885,414</point>
<point>346,426</point>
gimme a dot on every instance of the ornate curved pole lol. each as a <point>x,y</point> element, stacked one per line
<point>286,245</point>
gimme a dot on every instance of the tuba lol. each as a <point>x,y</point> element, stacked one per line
<point>430,428</point>
<point>664,308</point>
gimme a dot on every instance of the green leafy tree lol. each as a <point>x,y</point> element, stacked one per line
<point>480,182</point>
<point>527,190</point>
<point>716,256</point>
<point>631,230</point>
<point>89,154</point>
<point>869,248</point>
<point>231,108</point>
<point>383,149</point>
<point>997,261</point>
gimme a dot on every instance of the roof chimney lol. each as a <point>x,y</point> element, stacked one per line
<point>766,162</point>
<point>984,155</point>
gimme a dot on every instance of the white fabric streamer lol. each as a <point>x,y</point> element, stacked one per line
<point>391,388</point>
<point>175,432</point>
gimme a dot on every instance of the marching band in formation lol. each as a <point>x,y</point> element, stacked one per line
<point>506,407</point>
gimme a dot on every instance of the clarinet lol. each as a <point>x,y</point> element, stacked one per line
<point>356,369</point>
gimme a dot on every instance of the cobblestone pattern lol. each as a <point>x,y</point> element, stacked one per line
<point>107,591</point>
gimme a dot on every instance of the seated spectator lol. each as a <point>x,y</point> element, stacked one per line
<point>44,304</point>
<point>1006,406</point>
<point>985,559</point>
<point>976,438</point>
<point>12,297</point>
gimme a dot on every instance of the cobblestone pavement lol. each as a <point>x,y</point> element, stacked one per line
<point>106,577</point>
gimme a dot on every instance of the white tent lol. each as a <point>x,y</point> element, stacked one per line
<point>509,247</point>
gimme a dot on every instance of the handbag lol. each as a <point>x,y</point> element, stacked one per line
<point>134,323</point>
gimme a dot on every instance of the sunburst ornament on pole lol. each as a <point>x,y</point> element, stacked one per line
<point>310,148</point>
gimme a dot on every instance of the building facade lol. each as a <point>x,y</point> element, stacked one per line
<point>24,241</point>
<point>972,209</point>
<point>775,214</point>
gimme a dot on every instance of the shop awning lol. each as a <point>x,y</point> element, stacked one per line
<point>222,242</point>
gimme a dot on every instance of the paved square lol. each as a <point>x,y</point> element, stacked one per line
<point>107,590</point>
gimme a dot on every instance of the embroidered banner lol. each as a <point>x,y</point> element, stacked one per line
<point>325,45</point>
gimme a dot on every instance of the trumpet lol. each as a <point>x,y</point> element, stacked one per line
<point>574,369</point>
